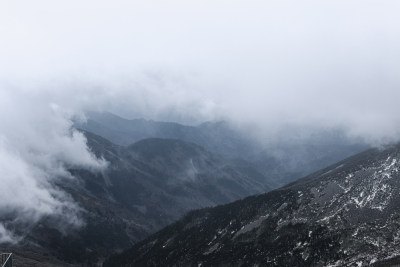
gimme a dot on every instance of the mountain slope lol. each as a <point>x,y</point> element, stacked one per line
<point>295,153</point>
<point>345,215</point>
<point>147,186</point>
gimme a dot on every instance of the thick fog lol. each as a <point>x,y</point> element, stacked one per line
<point>260,64</point>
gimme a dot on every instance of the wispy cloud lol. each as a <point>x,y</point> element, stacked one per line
<point>37,144</point>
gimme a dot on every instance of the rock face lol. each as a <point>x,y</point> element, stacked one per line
<point>345,215</point>
<point>147,186</point>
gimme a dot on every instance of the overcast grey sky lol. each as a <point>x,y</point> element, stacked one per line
<point>332,62</point>
<point>266,63</point>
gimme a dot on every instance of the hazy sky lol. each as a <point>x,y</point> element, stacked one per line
<point>332,62</point>
<point>266,63</point>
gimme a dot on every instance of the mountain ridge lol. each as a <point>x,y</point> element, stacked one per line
<point>345,215</point>
<point>296,152</point>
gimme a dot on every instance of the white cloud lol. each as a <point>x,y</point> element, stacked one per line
<point>37,143</point>
<point>266,63</point>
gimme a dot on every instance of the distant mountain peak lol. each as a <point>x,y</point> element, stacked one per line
<point>281,161</point>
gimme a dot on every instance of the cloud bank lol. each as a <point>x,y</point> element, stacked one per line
<point>261,62</point>
<point>268,64</point>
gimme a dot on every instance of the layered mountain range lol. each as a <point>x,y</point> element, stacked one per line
<point>157,172</point>
<point>146,186</point>
<point>345,215</point>
<point>291,153</point>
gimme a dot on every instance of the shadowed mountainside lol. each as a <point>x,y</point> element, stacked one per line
<point>147,186</point>
<point>345,215</point>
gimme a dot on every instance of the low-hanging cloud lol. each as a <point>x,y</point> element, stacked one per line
<point>267,64</point>
<point>37,144</point>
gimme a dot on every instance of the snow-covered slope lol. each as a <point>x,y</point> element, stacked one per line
<point>345,215</point>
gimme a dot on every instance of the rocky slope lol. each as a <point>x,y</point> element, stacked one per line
<point>345,215</point>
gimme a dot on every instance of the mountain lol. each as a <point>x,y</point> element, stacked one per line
<point>146,186</point>
<point>217,137</point>
<point>168,177</point>
<point>345,215</point>
<point>296,151</point>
